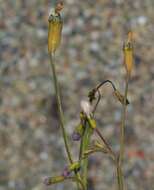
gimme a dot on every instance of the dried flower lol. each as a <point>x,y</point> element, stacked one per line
<point>55,29</point>
<point>128,53</point>
<point>86,108</point>
<point>59,7</point>
<point>92,95</point>
<point>120,97</point>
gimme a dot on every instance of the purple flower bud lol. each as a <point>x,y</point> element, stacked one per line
<point>66,172</point>
<point>76,136</point>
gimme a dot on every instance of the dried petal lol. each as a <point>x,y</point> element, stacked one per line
<point>86,107</point>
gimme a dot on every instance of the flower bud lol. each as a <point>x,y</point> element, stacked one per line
<point>53,180</point>
<point>66,172</point>
<point>76,136</point>
<point>128,53</point>
<point>73,167</point>
<point>54,30</point>
<point>120,97</point>
<point>78,132</point>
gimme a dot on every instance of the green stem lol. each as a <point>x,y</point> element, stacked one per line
<point>78,180</point>
<point>122,128</point>
<point>61,117</point>
<point>122,140</point>
<point>119,176</point>
<point>85,143</point>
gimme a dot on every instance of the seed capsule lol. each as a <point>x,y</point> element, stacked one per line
<point>54,31</point>
<point>128,53</point>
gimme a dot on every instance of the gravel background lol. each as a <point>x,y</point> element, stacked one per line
<point>31,146</point>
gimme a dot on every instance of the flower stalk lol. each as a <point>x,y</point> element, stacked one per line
<point>58,99</point>
<point>54,38</point>
<point>128,62</point>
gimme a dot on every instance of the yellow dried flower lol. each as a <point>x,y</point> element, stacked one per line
<point>128,53</point>
<point>55,29</point>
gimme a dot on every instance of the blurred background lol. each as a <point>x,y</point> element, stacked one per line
<point>31,145</point>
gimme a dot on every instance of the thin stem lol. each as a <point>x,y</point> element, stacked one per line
<point>106,81</point>
<point>105,142</point>
<point>77,180</point>
<point>81,143</point>
<point>120,176</point>
<point>98,100</point>
<point>83,148</point>
<point>122,127</point>
<point>56,86</point>
<point>61,117</point>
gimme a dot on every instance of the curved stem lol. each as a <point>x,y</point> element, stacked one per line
<point>106,81</point>
<point>98,100</point>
